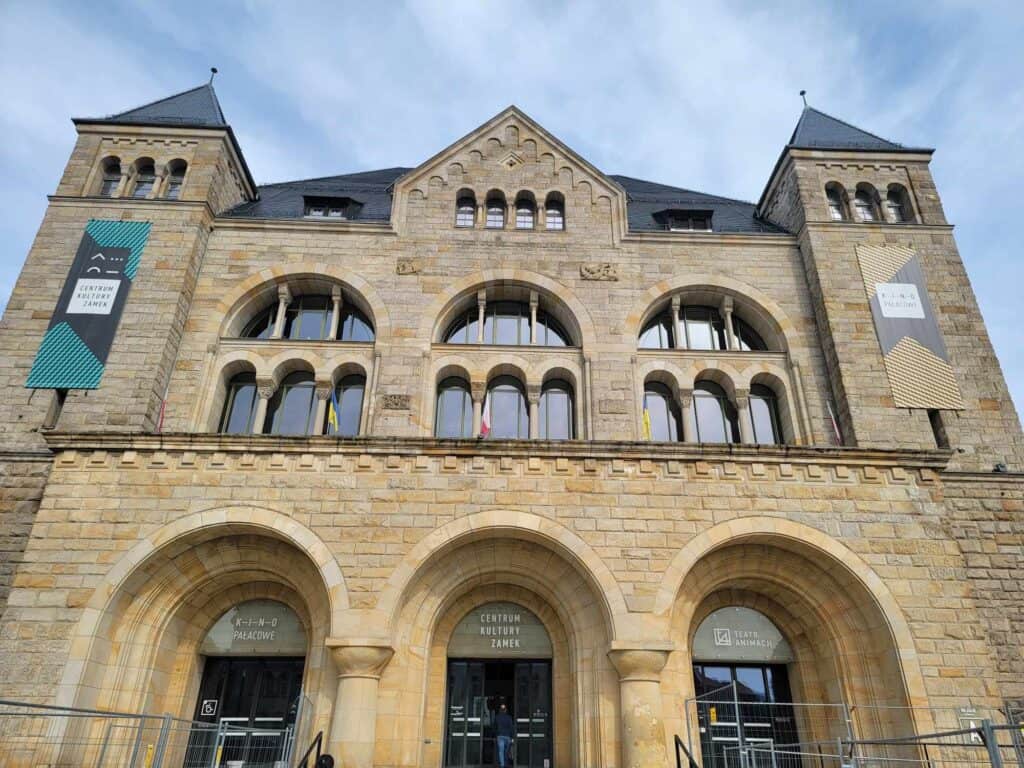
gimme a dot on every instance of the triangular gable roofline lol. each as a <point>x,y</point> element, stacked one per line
<point>511,111</point>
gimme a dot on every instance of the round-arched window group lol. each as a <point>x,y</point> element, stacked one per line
<point>523,214</point>
<point>505,411</point>
<point>708,415</point>
<point>868,206</point>
<point>699,327</point>
<point>141,180</point>
<point>310,318</point>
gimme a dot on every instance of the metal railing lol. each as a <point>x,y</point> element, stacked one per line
<point>33,735</point>
<point>317,744</point>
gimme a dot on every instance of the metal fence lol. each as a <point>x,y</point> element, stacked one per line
<point>34,735</point>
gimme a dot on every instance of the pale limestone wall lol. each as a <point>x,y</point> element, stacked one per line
<point>22,480</point>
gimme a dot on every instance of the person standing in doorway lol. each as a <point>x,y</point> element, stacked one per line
<point>505,727</point>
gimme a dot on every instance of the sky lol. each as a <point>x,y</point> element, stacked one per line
<point>697,95</point>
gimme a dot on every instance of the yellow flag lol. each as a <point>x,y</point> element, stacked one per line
<point>647,424</point>
<point>332,412</point>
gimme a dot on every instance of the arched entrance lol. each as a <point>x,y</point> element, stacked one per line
<point>498,689</point>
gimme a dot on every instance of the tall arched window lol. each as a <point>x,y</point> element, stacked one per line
<point>661,413</point>
<point>505,322</point>
<point>111,177</point>
<point>554,212</point>
<point>465,209</point>
<point>509,417</point>
<point>145,178</point>
<point>239,405</point>
<point>526,211</point>
<point>714,416</point>
<point>454,414</point>
<point>897,203</point>
<point>837,208</point>
<point>349,395</point>
<point>292,409</point>
<point>764,415</point>
<point>495,210</point>
<point>864,202</point>
<point>175,179</point>
<point>557,418</point>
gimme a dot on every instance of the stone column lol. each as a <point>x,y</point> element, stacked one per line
<point>481,308</point>
<point>335,312</point>
<point>158,184</point>
<point>478,391</point>
<point>284,297</point>
<point>265,388</point>
<point>534,302</point>
<point>323,395</point>
<point>686,406</point>
<point>533,398</point>
<point>743,416</point>
<point>354,721</point>
<point>677,326</point>
<point>730,334</point>
<point>122,185</point>
<point>642,731</point>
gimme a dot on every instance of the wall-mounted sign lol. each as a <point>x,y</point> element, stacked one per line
<point>82,329</point>
<point>914,352</point>
<point>256,628</point>
<point>738,634</point>
<point>500,631</point>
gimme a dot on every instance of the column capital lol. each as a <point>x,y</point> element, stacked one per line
<point>742,397</point>
<point>639,663</point>
<point>266,388</point>
<point>324,389</point>
<point>727,304</point>
<point>534,299</point>
<point>360,658</point>
<point>477,390</point>
<point>685,396</point>
<point>336,293</point>
<point>284,293</point>
<point>533,392</point>
<point>481,297</point>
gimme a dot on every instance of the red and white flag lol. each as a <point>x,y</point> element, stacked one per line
<point>485,418</point>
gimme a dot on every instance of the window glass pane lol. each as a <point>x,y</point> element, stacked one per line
<point>353,326</point>
<point>173,190</point>
<point>750,684</point>
<point>261,326</point>
<point>549,333</point>
<point>292,408</point>
<point>143,187</point>
<point>698,328</point>
<point>239,405</point>
<point>661,412</point>
<point>508,323</point>
<point>657,335</point>
<point>762,418</point>
<point>555,217</point>
<point>555,412</point>
<point>508,411</point>
<point>524,218</point>
<point>350,403</point>
<point>747,336</point>
<point>710,418</point>
<point>454,410</point>
<point>496,216</point>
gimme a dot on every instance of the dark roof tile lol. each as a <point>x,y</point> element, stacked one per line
<point>195,107</point>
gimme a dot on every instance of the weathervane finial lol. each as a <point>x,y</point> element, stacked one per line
<point>213,73</point>
<point>803,95</point>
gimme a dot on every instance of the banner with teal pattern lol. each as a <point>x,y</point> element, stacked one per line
<point>84,323</point>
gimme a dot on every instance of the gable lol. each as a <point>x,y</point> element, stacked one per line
<point>510,154</point>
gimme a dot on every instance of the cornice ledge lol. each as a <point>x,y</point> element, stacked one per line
<point>713,238</point>
<point>594,449</point>
<point>305,225</point>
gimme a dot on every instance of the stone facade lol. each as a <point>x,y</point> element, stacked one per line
<point>891,566</point>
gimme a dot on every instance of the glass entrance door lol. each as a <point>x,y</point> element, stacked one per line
<point>476,691</point>
<point>259,695</point>
<point>743,704</point>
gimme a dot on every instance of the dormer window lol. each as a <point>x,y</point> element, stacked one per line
<point>337,208</point>
<point>685,221</point>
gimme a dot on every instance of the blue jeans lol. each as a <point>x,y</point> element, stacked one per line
<point>504,742</point>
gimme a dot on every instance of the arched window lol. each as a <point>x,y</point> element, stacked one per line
<point>658,333</point>
<point>175,179</point>
<point>702,328</point>
<point>262,325</point>
<point>292,409</point>
<point>714,416</point>
<point>465,209</point>
<point>145,178</point>
<point>509,418</point>
<point>354,326</point>
<point>239,405</point>
<point>554,212</point>
<point>661,412</point>
<point>526,211</point>
<point>308,318</point>
<point>505,322</point>
<point>349,395</point>
<point>864,202</point>
<point>111,177</point>
<point>495,210</point>
<point>764,415</point>
<point>557,420</point>
<point>837,207</point>
<point>897,203</point>
<point>454,414</point>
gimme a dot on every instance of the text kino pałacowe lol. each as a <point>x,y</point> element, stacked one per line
<point>502,628</point>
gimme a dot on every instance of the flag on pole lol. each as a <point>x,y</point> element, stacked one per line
<point>485,418</point>
<point>332,412</point>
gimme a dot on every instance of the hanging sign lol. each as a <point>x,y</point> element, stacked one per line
<point>740,634</point>
<point>500,631</point>
<point>82,329</point>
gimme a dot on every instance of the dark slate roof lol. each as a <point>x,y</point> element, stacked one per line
<point>646,198</point>
<point>195,107</point>
<point>816,130</point>
<point>285,200</point>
